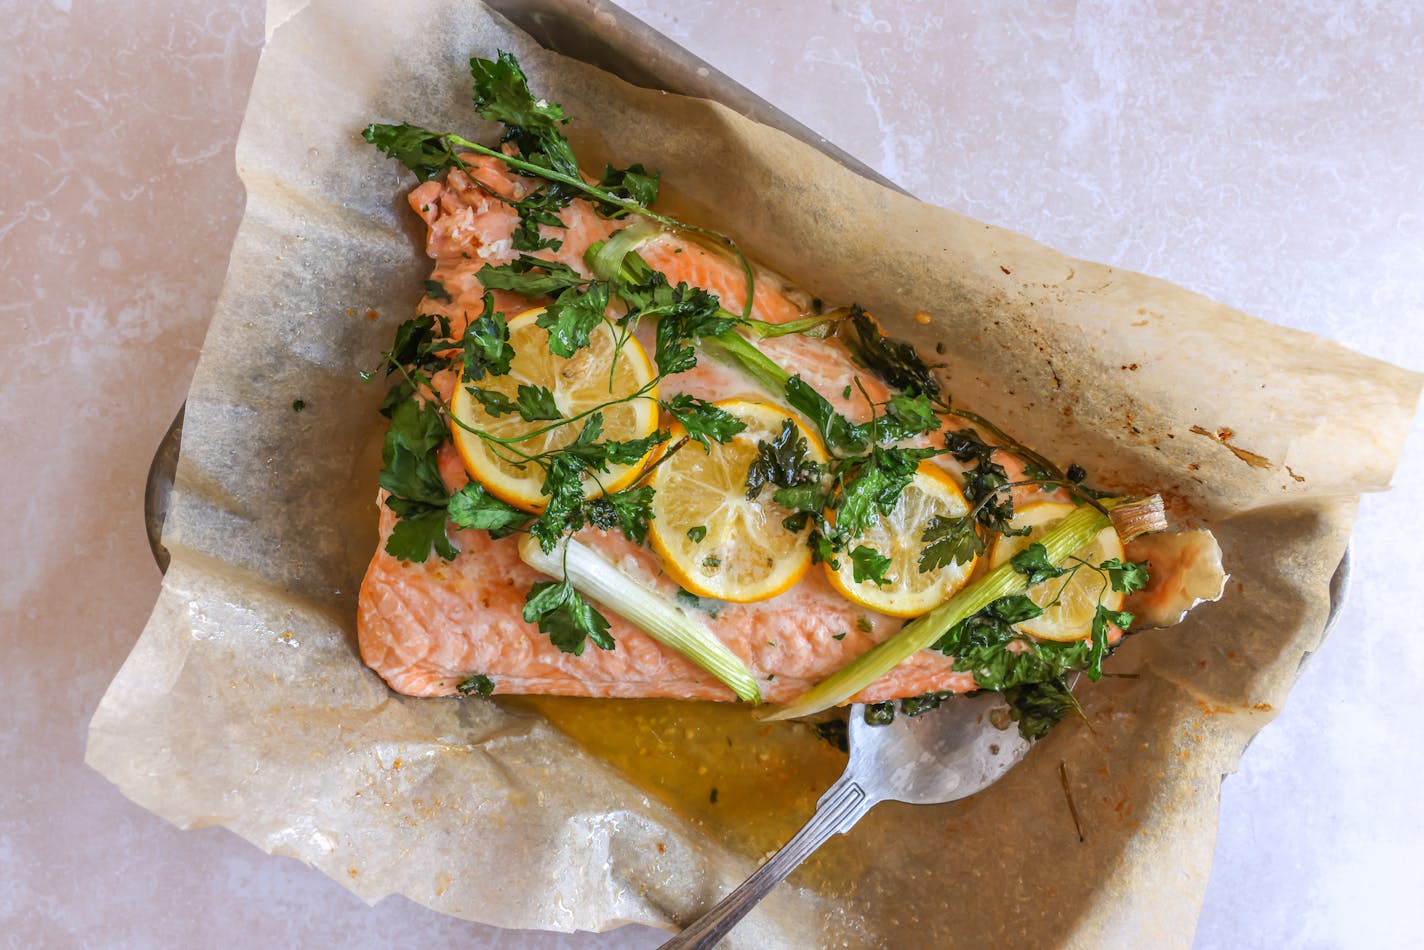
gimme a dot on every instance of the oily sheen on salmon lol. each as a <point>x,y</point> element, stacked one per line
<point>624,461</point>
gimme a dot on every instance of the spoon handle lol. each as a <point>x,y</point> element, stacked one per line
<point>840,808</point>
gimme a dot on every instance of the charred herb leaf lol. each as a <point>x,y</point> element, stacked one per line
<point>477,685</point>
<point>1038,707</point>
<point>879,714</point>
<point>994,509</point>
<point>566,617</point>
<point>894,361</point>
<point>782,461</point>
<point>834,732</point>
<point>629,511</point>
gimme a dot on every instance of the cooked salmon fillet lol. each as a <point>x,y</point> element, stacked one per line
<point>425,627</point>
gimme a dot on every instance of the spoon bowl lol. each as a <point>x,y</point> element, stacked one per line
<point>941,756</point>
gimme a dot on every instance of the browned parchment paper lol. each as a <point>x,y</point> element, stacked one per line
<point>244,703</point>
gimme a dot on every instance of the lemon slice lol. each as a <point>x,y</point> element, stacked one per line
<point>713,541</point>
<point>599,373</point>
<point>897,536</point>
<point>1078,598</point>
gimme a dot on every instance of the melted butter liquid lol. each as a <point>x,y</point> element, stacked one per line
<point>767,776</point>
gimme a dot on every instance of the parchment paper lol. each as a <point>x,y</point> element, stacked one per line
<point>244,703</point>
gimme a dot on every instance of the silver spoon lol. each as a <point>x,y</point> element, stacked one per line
<point>942,756</point>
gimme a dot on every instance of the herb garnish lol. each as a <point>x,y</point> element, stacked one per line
<point>478,684</point>
<point>841,499</point>
<point>568,619</point>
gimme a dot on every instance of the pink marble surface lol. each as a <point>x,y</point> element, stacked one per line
<point>1268,159</point>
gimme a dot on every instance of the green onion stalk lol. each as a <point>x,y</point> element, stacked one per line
<point>593,576</point>
<point>1061,541</point>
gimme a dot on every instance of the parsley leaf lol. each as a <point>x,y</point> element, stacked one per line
<point>704,422</point>
<point>535,403</point>
<point>485,346</point>
<point>908,416</point>
<point>1101,618</point>
<point>502,95</point>
<point>572,317</point>
<point>418,347</point>
<point>1033,562</point>
<point>835,429</point>
<point>409,470</point>
<point>425,153</point>
<point>873,487</point>
<point>697,533</point>
<point>631,451</point>
<point>417,342</point>
<point>635,183</point>
<point>540,207</point>
<point>1126,576</point>
<point>684,315</point>
<point>412,479</point>
<point>436,291</point>
<point>474,508</point>
<point>949,541</point>
<point>495,403</point>
<point>1031,673</point>
<point>418,529</point>
<point>566,617</point>
<point>868,564</point>
<point>566,509</point>
<point>530,276</point>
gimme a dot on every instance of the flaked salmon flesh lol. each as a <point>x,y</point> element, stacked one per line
<point>426,627</point>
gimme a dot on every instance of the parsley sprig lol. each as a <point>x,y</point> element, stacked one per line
<point>533,125</point>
